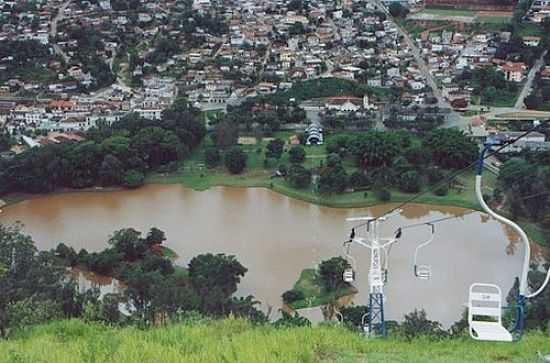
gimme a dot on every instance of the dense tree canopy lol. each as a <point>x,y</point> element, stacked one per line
<point>451,148</point>
<point>119,154</point>
<point>235,160</point>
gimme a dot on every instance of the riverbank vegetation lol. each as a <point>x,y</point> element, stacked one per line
<point>110,155</point>
<point>319,286</point>
<point>523,189</point>
<point>170,309</point>
<point>349,170</point>
<point>35,288</point>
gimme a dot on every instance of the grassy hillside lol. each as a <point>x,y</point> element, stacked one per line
<point>239,341</point>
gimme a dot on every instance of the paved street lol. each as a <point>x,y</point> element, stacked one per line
<point>530,78</point>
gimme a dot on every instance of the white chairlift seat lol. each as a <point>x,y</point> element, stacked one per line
<point>485,301</point>
<point>423,271</point>
<point>348,275</point>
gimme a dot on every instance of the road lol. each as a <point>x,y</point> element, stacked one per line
<point>453,118</point>
<point>53,30</point>
<point>520,104</point>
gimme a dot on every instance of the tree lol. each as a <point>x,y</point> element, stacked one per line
<point>274,149</point>
<point>333,180</point>
<point>296,154</point>
<point>375,149</point>
<point>212,157</point>
<point>397,10</point>
<point>331,271</point>
<point>533,102</point>
<point>235,160</point>
<point>451,148</point>
<point>155,237</point>
<point>133,179</point>
<point>30,282</point>
<point>299,177</point>
<point>5,140</point>
<point>111,171</point>
<point>157,146</point>
<point>226,134</point>
<point>215,278</point>
<point>293,295</point>
<point>128,241</point>
<point>410,182</point>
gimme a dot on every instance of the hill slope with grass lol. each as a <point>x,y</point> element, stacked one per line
<point>239,341</point>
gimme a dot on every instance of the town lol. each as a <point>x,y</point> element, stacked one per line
<point>65,66</point>
<point>274,180</point>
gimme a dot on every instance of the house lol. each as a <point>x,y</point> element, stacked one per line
<point>531,41</point>
<point>513,72</point>
<point>528,141</point>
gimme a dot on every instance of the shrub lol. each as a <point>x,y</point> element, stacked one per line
<point>409,182</point>
<point>235,160</point>
<point>296,154</point>
<point>442,190</point>
<point>212,157</point>
<point>383,195</point>
<point>299,177</point>
<point>133,179</point>
<point>291,296</point>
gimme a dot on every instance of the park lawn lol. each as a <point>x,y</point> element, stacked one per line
<point>449,12</point>
<point>530,29</point>
<point>494,19</point>
<point>309,284</point>
<point>193,174</point>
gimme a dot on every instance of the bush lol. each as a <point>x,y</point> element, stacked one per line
<point>442,190</point>
<point>291,296</point>
<point>383,195</point>
<point>435,175</point>
<point>417,324</point>
<point>133,179</point>
<point>296,154</point>
<point>212,157</point>
<point>409,182</point>
<point>235,160</point>
<point>299,177</point>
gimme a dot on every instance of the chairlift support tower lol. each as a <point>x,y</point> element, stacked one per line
<point>377,272</point>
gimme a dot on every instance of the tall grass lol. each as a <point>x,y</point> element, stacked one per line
<point>239,341</point>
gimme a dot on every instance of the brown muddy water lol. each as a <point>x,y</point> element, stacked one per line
<point>276,237</point>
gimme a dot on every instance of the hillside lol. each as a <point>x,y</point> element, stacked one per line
<point>239,341</point>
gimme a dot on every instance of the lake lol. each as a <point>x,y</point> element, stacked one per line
<point>276,237</point>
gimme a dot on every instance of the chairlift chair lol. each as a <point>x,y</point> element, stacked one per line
<point>485,299</point>
<point>423,272</point>
<point>349,275</point>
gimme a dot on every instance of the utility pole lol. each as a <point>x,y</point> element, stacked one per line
<point>377,273</point>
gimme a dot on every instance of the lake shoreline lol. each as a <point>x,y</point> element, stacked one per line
<point>280,188</point>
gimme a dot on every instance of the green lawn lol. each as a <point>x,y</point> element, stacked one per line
<point>232,340</point>
<point>308,283</point>
<point>530,29</point>
<point>449,12</point>
<point>195,175</point>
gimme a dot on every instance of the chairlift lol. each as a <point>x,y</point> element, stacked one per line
<point>485,299</point>
<point>423,272</point>
<point>485,302</point>
<point>349,273</point>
